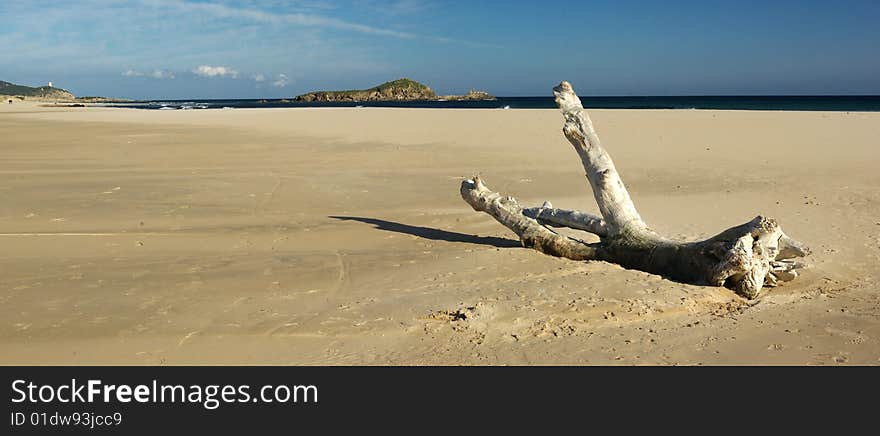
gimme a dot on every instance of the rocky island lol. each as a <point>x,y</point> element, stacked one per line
<point>471,95</point>
<point>397,90</point>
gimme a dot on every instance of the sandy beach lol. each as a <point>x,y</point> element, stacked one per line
<point>338,237</point>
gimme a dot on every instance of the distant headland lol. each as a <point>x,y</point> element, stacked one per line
<point>396,90</point>
<point>48,93</point>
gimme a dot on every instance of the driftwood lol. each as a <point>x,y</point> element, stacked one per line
<point>745,258</point>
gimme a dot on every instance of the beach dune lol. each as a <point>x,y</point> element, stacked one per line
<point>338,236</point>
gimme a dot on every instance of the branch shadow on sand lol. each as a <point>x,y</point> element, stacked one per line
<point>433,234</point>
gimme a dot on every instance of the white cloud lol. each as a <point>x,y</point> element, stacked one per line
<point>218,71</point>
<point>282,81</point>
<point>156,74</point>
<point>259,77</point>
<point>160,74</point>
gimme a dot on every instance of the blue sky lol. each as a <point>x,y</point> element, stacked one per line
<point>281,48</point>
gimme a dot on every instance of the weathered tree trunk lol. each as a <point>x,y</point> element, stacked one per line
<point>744,258</point>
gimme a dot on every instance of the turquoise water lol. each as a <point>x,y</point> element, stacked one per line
<point>786,103</point>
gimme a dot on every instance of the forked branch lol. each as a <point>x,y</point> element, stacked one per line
<point>744,258</point>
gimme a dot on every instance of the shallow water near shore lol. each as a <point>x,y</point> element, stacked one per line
<point>854,103</point>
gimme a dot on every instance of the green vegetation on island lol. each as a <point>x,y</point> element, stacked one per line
<point>396,90</point>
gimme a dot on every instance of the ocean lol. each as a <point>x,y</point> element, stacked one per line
<point>852,103</point>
